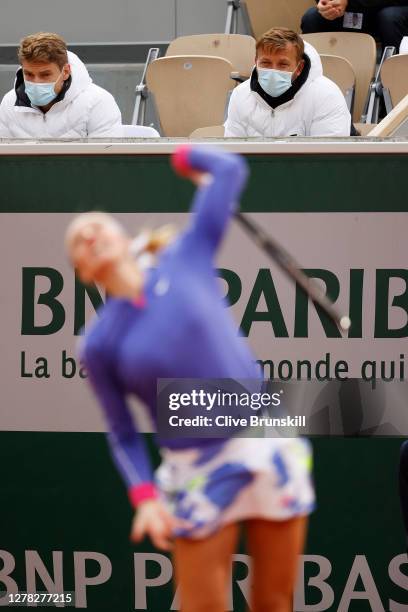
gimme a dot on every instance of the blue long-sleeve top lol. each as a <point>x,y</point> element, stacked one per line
<point>183,330</point>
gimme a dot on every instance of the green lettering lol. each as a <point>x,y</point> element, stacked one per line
<point>302,305</point>
<point>382,291</point>
<point>264,287</point>
<point>28,326</point>
<point>81,291</point>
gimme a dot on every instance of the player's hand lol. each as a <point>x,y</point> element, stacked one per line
<point>199,178</point>
<point>181,165</point>
<point>332,9</point>
<point>154,520</point>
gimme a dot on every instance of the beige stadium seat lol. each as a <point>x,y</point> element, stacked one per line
<point>365,128</point>
<point>339,70</point>
<point>212,131</point>
<point>394,77</point>
<point>266,14</point>
<point>190,91</point>
<point>359,49</point>
<point>238,49</point>
<point>395,123</point>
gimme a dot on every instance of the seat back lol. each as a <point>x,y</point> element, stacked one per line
<point>190,91</point>
<point>394,77</point>
<point>212,131</point>
<point>266,14</point>
<point>339,70</point>
<point>238,49</point>
<point>139,131</point>
<point>359,49</point>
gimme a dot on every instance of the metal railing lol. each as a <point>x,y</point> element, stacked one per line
<point>231,24</point>
<point>377,92</point>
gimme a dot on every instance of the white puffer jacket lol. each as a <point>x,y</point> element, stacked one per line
<point>317,109</point>
<point>85,111</point>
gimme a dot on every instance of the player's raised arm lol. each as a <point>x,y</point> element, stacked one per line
<point>221,178</point>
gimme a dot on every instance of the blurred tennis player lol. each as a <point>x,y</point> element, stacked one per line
<point>170,322</point>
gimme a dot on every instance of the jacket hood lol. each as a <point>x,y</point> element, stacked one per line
<point>77,82</point>
<point>316,68</point>
<point>80,76</point>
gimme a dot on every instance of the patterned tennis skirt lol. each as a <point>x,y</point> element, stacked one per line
<point>242,478</point>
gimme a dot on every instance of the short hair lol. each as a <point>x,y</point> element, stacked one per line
<point>43,47</point>
<point>278,38</point>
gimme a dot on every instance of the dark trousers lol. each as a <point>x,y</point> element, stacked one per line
<point>403,484</point>
<point>388,24</point>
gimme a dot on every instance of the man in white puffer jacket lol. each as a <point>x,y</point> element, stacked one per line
<point>54,97</point>
<point>287,94</point>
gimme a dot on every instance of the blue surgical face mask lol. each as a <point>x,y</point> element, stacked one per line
<point>274,82</point>
<point>40,94</point>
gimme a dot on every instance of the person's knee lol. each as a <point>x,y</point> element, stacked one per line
<point>392,24</point>
<point>389,16</point>
<point>311,21</point>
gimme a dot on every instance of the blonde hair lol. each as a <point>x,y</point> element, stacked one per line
<point>278,38</point>
<point>88,217</point>
<point>153,241</point>
<point>43,47</point>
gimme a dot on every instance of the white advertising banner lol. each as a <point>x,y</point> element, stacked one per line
<point>361,257</point>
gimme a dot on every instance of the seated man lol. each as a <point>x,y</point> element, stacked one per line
<point>385,19</point>
<point>54,97</point>
<point>287,94</point>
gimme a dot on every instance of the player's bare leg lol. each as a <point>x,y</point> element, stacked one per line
<point>203,570</point>
<point>274,547</point>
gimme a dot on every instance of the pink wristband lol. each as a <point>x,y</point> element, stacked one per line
<point>180,160</point>
<point>139,493</point>
<point>140,302</point>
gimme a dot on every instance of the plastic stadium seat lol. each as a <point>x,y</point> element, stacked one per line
<point>339,70</point>
<point>139,131</point>
<point>190,91</point>
<point>238,49</point>
<point>365,128</point>
<point>359,49</point>
<point>395,123</point>
<point>394,78</point>
<point>266,14</point>
<point>212,131</point>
